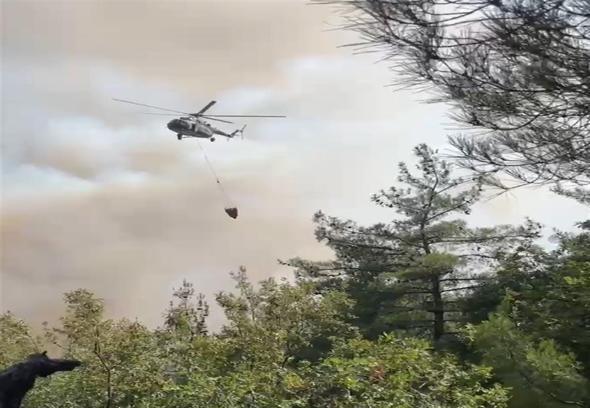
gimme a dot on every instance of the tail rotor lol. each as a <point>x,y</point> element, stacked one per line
<point>239,132</point>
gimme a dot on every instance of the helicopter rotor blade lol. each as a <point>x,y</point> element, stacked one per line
<point>151,106</point>
<point>247,116</point>
<point>200,113</point>
<point>210,118</point>
<point>158,113</point>
<point>206,108</point>
<point>173,114</point>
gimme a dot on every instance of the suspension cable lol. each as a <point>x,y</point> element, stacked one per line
<point>230,208</point>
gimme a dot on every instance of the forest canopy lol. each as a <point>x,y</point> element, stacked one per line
<point>420,312</point>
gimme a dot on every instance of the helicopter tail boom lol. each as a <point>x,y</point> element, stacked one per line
<point>238,132</point>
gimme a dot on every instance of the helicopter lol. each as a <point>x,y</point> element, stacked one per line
<point>193,125</point>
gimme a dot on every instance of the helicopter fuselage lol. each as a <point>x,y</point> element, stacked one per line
<point>193,125</point>
<point>191,128</point>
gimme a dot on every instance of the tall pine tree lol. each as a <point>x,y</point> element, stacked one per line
<point>189,314</point>
<point>410,273</point>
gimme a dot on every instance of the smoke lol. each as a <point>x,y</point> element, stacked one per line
<point>96,195</point>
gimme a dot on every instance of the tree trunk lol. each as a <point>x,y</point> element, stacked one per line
<point>439,314</point>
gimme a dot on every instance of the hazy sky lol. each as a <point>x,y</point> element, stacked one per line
<point>97,195</point>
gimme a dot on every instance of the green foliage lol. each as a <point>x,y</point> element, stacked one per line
<point>357,373</point>
<point>539,340</point>
<point>557,304</point>
<point>293,345</point>
<point>283,346</point>
<point>187,317</point>
<point>549,293</point>
<point>280,322</point>
<point>395,372</point>
<point>121,363</point>
<point>520,271</point>
<point>410,273</point>
<point>540,373</point>
<point>16,340</point>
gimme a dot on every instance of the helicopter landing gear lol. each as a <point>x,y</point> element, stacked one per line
<point>179,136</point>
<point>212,139</point>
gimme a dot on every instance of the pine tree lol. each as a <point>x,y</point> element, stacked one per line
<point>187,316</point>
<point>516,71</point>
<point>410,273</point>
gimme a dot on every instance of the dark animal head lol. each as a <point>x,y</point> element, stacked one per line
<point>44,366</point>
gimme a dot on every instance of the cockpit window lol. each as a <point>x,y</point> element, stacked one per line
<point>179,123</point>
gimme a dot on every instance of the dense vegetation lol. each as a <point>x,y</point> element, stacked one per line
<point>420,311</point>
